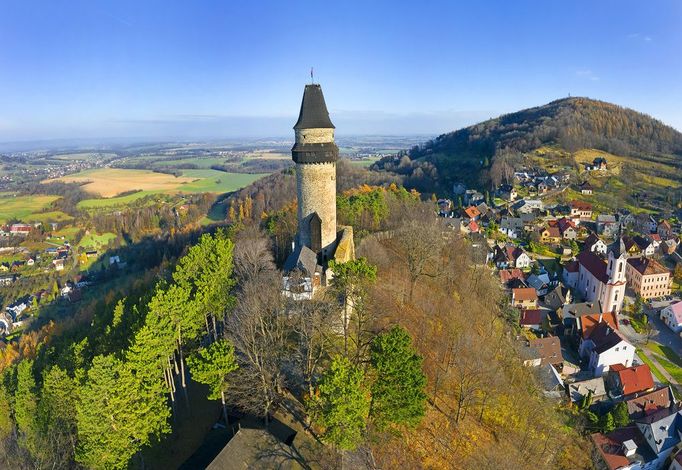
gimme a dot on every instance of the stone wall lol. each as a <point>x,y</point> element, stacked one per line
<point>316,186</point>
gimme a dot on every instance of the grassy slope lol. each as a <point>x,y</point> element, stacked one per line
<point>23,206</point>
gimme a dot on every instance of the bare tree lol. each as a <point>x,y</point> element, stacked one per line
<point>418,245</point>
<point>258,331</point>
<point>252,253</point>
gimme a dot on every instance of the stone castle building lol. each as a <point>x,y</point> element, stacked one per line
<point>318,239</point>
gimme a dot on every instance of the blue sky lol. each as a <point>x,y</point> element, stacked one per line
<point>162,69</point>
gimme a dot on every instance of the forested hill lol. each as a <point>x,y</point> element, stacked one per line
<point>570,124</point>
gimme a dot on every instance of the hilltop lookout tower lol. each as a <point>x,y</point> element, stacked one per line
<point>315,155</point>
<point>318,239</point>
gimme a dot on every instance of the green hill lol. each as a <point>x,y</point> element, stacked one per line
<point>480,154</point>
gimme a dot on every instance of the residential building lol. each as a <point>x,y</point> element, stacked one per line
<point>605,347</point>
<point>586,188</point>
<point>526,206</point>
<point>581,210</point>
<point>550,234</point>
<point>512,226</point>
<point>472,213</point>
<point>647,246</point>
<point>661,430</point>
<point>627,449</point>
<point>525,298</point>
<point>571,313</point>
<point>567,229</point>
<point>622,380</point>
<point>607,225</point>
<point>542,351</point>
<point>531,319</point>
<point>595,244</point>
<point>539,282</point>
<point>512,278</point>
<point>672,316</point>
<point>473,197</point>
<point>665,230</point>
<point>643,404</point>
<point>648,278</point>
<point>20,229</point>
<point>570,274</point>
<point>579,390</point>
<point>601,280</point>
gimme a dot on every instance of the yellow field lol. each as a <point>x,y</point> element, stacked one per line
<point>108,182</point>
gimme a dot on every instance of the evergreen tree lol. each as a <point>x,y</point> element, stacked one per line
<point>25,407</point>
<point>117,415</point>
<point>6,423</point>
<point>57,416</point>
<point>398,394</point>
<point>607,423</point>
<point>206,272</point>
<point>621,417</point>
<point>342,404</point>
<point>211,366</point>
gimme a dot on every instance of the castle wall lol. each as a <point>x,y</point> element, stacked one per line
<point>316,187</point>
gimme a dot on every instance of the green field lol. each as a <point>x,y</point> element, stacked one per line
<point>23,206</point>
<point>191,181</point>
<point>95,241</point>
<point>114,201</point>
<point>214,181</point>
<point>46,217</point>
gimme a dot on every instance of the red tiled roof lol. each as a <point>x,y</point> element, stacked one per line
<point>594,264</point>
<point>635,379</point>
<point>473,226</point>
<point>524,293</point>
<point>530,317</point>
<point>610,445</point>
<point>581,205</point>
<point>565,224</point>
<point>588,322</point>
<point>647,266</point>
<point>549,349</point>
<point>650,402</point>
<point>507,275</point>
<point>472,212</point>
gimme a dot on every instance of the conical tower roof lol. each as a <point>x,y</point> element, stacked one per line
<point>314,114</point>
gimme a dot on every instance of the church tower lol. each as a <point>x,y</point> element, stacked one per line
<point>315,154</point>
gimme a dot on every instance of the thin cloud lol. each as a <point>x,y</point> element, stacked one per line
<point>587,74</point>
<point>640,37</point>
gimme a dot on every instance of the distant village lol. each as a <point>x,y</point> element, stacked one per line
<point>586,291</point>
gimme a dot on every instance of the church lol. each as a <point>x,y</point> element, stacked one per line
<point>604,280</point>
<point>318,239</point>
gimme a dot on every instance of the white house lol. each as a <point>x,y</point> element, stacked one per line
<point>601,280</point>
<point>570,274</point>
<point>595,244</point>
<point>605,347</point>
<point>672,316</point>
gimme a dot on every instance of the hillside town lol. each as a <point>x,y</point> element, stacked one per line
<point>595,299</point>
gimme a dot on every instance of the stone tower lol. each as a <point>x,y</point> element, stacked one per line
<point>315,154</point>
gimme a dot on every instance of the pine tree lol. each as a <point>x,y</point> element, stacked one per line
<point>621,417</point>
<point>25,407</point>
<point>342,404</point>
<point>398,394</point>
<point>117,415</point>
<point>607,423</point>
<point>211,366</point>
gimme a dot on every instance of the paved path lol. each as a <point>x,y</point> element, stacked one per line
<point>661,369</point>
